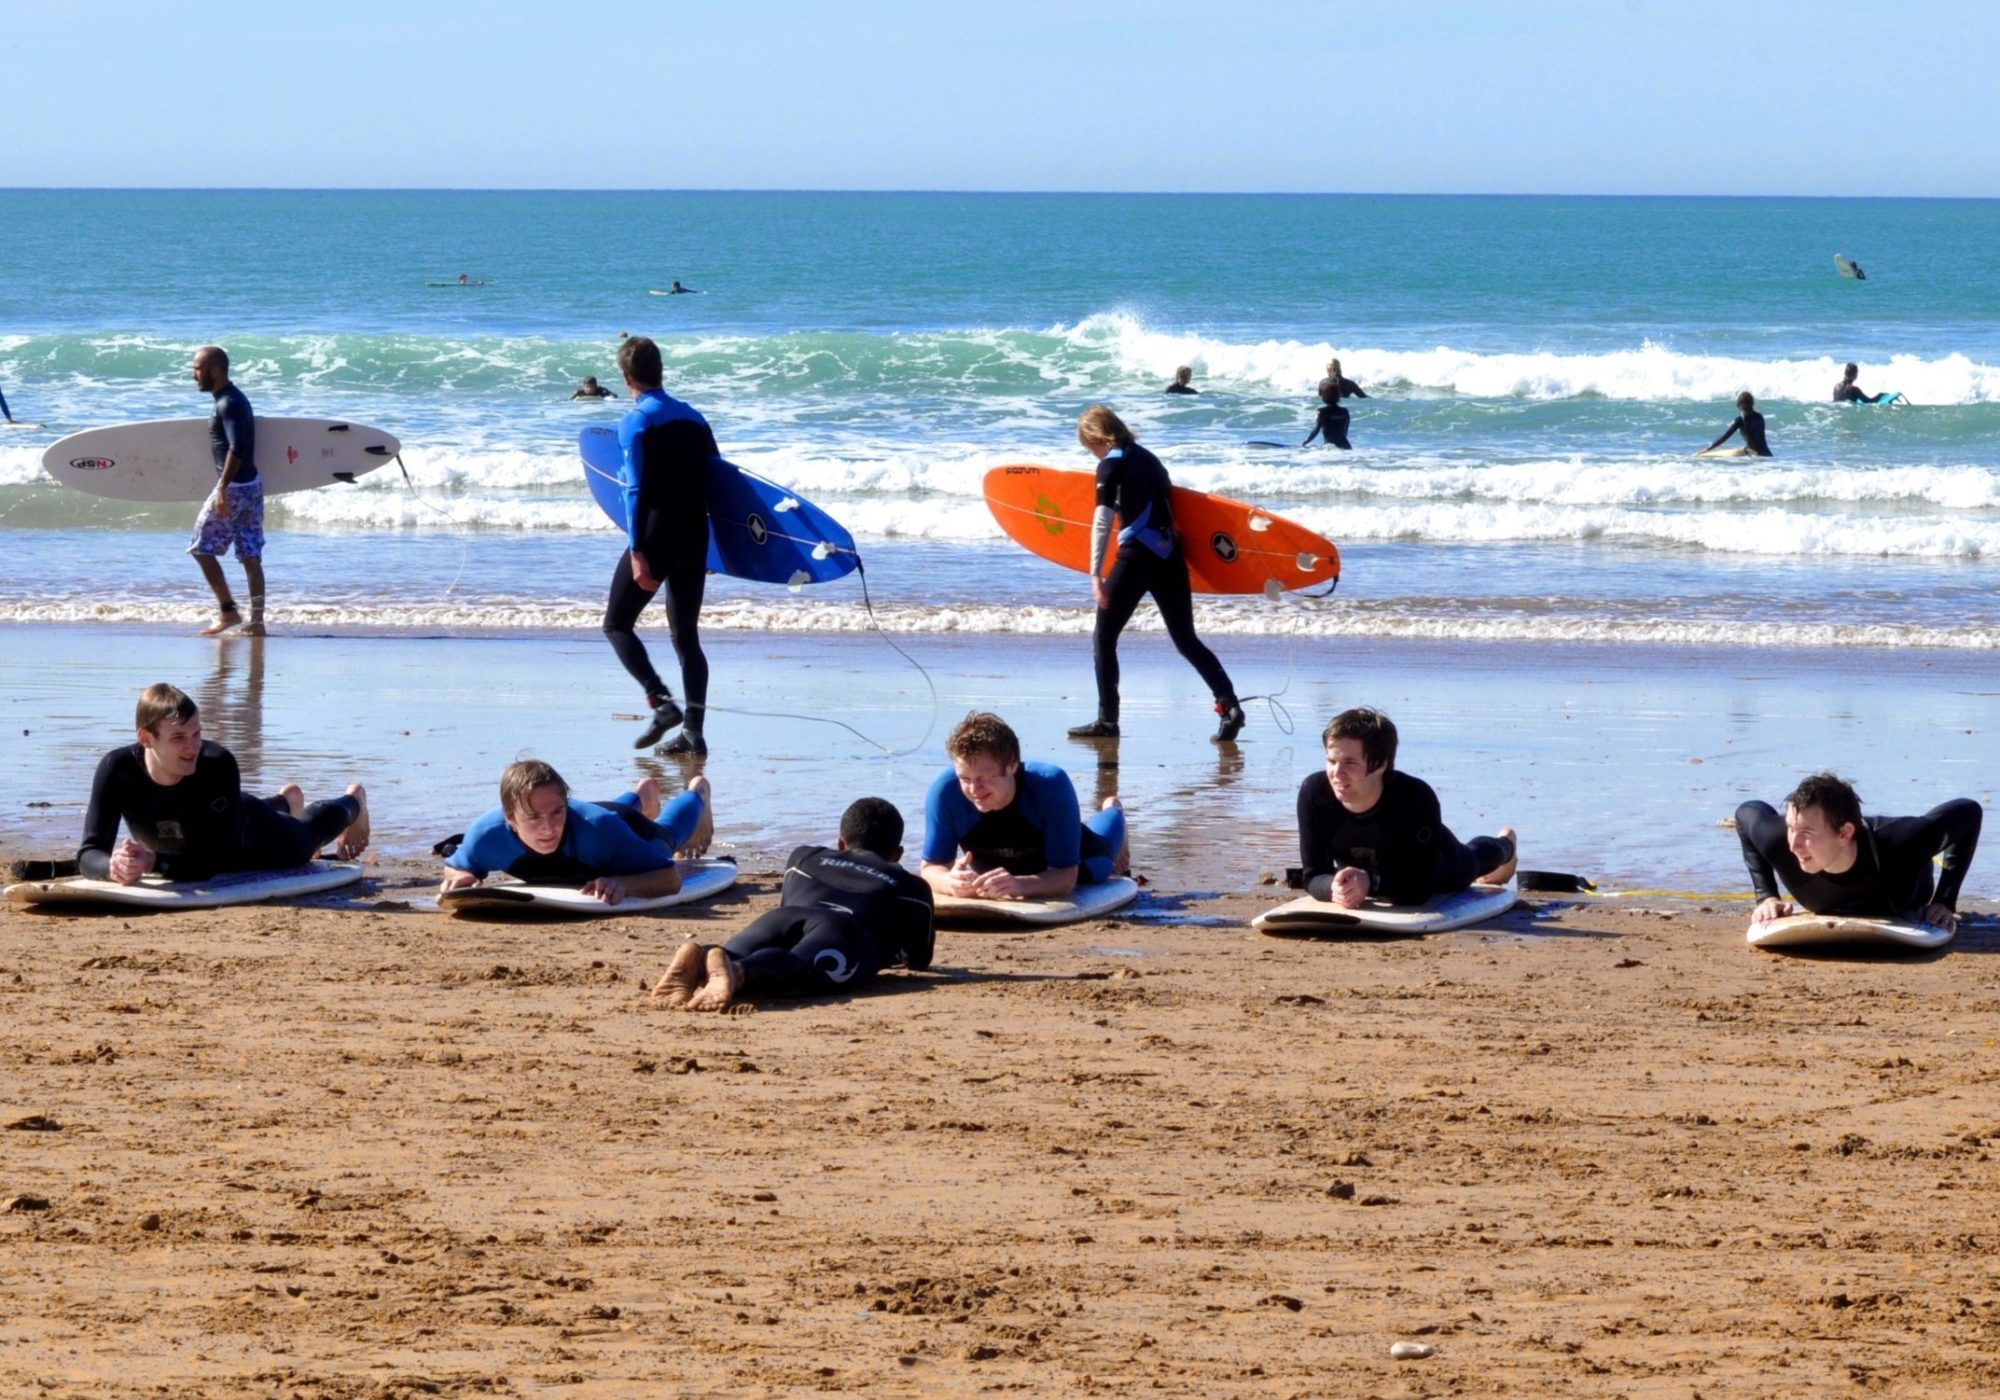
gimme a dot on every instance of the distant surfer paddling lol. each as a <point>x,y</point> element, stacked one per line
<point>610,851</point>
<point>233,515</point>
<point>1181,384</point>
<point>1848,391</point>
<point>998,828</point>
<point>667,447</point>
<point>1833,860</point>
<point>677,290</point>
<point>591,389</point>
<point>1750,423</point>
<point>847,911</point>
<point>1133,486</point>
<point>1367,831</point>
<point>186,816</point>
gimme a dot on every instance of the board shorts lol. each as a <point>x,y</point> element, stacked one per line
<point>242,527</point>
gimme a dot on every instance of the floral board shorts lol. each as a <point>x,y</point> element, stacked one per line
<point>242,526</point>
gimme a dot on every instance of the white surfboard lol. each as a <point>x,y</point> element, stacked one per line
<point>169,459</point>
<point>170,896</point>
<point>1833,931</point>
<point>700,879</point>
<point>1318,918</point>
<point>1083,902</point>
<point>1724,452</point>
<point>1846,267</point>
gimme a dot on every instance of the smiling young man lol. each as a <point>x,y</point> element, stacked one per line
<point>1367,831</point>
<point>1833,860</point>
<point>998,828</point>
<point>180,798</point>
<point>611,851</point>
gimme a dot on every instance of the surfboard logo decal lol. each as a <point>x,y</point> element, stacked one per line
<point>1049,514</point>
<point>92,464</point>
<point>759,532</point>
<point>1224,547</point>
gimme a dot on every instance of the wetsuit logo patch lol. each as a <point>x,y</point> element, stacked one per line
<point>759,532</point>
<point>1050,515</point>
<point>92,464</point>
<point>1224,547</point>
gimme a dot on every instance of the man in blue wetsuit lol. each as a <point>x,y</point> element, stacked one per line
<point>848,911</point>
<point>617,850</point>
<point>233,515</point>
<point>667,447</point>
<point>998,828</point>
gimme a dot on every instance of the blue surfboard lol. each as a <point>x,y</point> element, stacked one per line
<point>757,529</point>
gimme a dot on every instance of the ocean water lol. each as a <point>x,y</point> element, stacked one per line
<point>1540,370</point>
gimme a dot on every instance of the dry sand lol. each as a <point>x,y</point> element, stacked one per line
<point>1599,1150</point>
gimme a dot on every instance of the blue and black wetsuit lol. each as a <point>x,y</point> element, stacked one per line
<point>599,839</point>
<point>1402,843</point>
<point>846,915</point>
<point>1892,872</point>
<point>1041,829</point>
<point>1751,425</point>
<point>233,428</point>
<point>668,448</point>
<point>1133,484</point>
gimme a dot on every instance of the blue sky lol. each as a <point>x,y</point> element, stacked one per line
<point>1514,96</point>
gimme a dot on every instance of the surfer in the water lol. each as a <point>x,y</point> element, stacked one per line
<point>667,448</point>
<point>1750,423</point>
<point>1847,391</point>
<point>1367,831</point>
<point>1343,387</point>
<point>591,389</point>
<point>677,290</point>
<point>847,911</point>
<point>5,412</point>
<point>1133,485</point>
<point>998,828</point>
<point>186,815</point>
<point>613,851</point>
<point>1331,420</point>
<point>1833,860</point>
<point>233,515</point>
<point>1181,384</point>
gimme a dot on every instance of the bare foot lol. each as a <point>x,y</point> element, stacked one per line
<point>704,830</point>
<point>1121,864</point>
<point>1501,874</point>
<point>720,989</point>
<point>230,618</point>
<point>295,800</point>
<point>255,629</point>
<point>683,977</point>
<point>354,840</point>
<point>647,790</point>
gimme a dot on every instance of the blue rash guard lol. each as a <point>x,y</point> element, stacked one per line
<point>233,428</point>
<point>598,839</point>
<point>667,447</point>
<point>1039,830</point>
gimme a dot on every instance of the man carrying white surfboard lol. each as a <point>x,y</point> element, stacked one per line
<point>233,515</point>
<point>1833,860</point>
<point>1367,831</point>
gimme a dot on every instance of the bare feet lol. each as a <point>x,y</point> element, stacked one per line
<point>1501,874</point>
<point>683,977</point>
<point>719,991</point>
<point>295,800</point>
<point>704,830</point>
<point>647,790</point>
<point>255,629</point>
<point>230,618</point>
<point>1121,864</point>
<point>354,840</point>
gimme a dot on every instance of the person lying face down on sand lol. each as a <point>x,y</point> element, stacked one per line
<point>998,828</point>
<point>1833,860</point>
<point>1367,831</point>
<point>613,851</point>
<point>185,814</point>
<point>848,911</point>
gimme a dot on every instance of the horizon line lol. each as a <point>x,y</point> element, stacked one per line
<point>964,191</point>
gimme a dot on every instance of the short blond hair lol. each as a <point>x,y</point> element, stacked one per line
<point>983,732</point>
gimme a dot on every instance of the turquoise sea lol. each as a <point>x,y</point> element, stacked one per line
<point>1540,370</point>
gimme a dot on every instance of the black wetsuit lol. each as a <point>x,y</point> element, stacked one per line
<point>1132,482</point>
<point>1847,391</point>
<point>1179,388</point>
<point>1344,388</point>
<point>846,915</point>
<point>203,825</point>
<point>1751,425</point>
<point>1331,423</point>
<point>1402,843</point>
<point>1892,869</point>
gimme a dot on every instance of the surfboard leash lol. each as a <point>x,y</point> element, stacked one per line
<point>464,551</point>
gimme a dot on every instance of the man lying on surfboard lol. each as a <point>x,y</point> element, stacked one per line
<point>848,911</point>
<point>998,828</point>
<point>613,851</point>
<point>1367,831</point>
<point>185,814</point>
<point>1833,860</point>
<point>1750,423</point>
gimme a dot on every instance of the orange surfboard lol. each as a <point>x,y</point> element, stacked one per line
<point>1230,547</point>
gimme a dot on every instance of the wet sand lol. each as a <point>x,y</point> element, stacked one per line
<point>358,1149</point>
